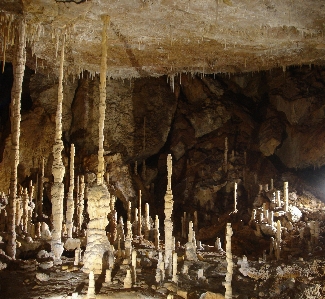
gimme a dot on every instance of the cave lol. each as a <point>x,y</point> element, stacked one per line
<point>162,149</point>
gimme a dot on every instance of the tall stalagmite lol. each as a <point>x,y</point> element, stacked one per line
<point>168,214</point>
<point>70,199</point>
<point>19,68</point>
<point>98,195</point>
<point>58,170</point>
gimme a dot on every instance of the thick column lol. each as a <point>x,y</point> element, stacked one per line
<point>168,214</point>
<point>70,200</point>
<point>98,195</point>
<point>19,68</point>
<point>58,170</point>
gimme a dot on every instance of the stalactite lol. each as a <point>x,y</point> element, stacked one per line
<point>58,170</point>
<point>19,68</point>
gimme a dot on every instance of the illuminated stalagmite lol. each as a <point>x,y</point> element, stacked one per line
<point>19,68</point>
<point>58,170</point>
<point>230,264</point>
<point>98,195</point>
<point>70,200</point>
<point>168,214</point>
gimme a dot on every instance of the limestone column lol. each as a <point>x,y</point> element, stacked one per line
<point>70,200</point>
<point>15,117</point>
<point>227,284</point>
<point>102,103</point>
<point>168,214</point>
<point>58,170</point>
<point>286,196</point>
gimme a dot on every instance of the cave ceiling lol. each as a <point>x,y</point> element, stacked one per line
<point>164,37</point>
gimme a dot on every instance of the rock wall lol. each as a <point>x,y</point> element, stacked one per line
<point>276,118</point>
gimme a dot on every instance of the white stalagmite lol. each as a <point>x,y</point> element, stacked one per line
<point>278,198</point>
<point>80,207</point>
<point>174,278</point>
<point>235,197</point>
<point>98,195</point>
<point>227,283</point>
<point>128,240</point>
<point>25,210</point>
<point>168,214</point>
<point>58,170</point>
<point>91,286</point>
<point>157,234</point>
<point>147,222</point>
<point>286,196</point>
<point>70,199</point>
<point>190,232</point>
<point>18,69</point>
<point>129,211</point>
<point>278,240</point>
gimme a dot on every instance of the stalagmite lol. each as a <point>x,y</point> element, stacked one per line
<point>278,240</point>
<point>139,214</point>
<point>128,240</point>
<point>80,207</point>
<point>108,276</point>
<point>286,196</point>
<point>147,222</point>
<point>25,210</point>
<point>70,200</point>
<point>58,170</point>
<point>271,185</point>
<point>227,283</point>
<point>278,198</point>
<point>98,195</point>
<point>113,220</point>
<point>235,197</point>
<point>76,257</point>
<point>128,279</point>
<point>190,232</point>
<point>91,286</point>
<point>175,278</point>
<point>39,204</point>
<point>134,265</point>
<point>18,69</point>
<point>195,223</point>
<point>129,212</point>
<point>157,234</point>
<point>168,214</point>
